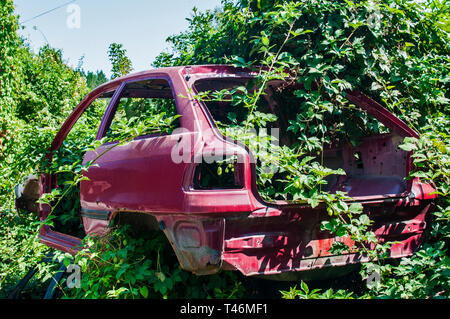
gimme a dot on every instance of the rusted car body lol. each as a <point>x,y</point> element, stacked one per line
<point>234,228</point>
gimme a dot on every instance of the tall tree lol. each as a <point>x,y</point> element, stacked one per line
<point>9,42</point>
<point>121,64</point>
<point>95,79</point>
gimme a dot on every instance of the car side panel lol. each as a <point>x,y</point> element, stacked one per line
<point>137,176</point>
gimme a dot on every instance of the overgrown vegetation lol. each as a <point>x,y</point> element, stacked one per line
<point>395,51</point>
<point>129,265</point>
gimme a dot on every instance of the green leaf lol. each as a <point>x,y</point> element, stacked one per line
<point>408,147</point>
<point>160,276</point>
<point>144,291</point>
<point>304,287</point>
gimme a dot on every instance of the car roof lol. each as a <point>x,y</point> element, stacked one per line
<point>188,70</point>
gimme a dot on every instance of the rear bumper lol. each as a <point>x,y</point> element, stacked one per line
<point>269,254</point>
<point>268,245</point>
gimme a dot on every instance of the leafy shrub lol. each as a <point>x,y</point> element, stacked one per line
<point>127,265</point>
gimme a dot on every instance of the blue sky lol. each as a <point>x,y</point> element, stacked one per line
<point>142,26</point>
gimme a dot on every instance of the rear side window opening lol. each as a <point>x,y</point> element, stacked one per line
<point>226,173</point>
<point>144,108</point>
<point>355,141</point>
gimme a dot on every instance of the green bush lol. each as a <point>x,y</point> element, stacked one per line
<point>129,265</point>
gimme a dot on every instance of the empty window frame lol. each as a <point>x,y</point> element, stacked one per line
<point>145,108</point>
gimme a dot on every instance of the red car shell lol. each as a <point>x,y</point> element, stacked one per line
<point>235,229</point>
